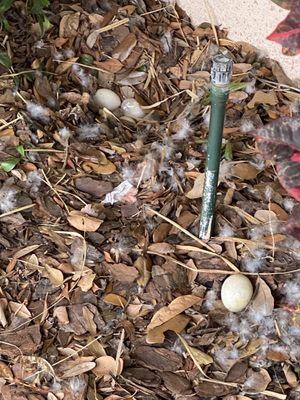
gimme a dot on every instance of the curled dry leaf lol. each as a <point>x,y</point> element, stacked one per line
<point>176,324</point>
<point>263,301</point>
<point>123,273</point>
<point>62,315</point>
<point>54,275</point>
<point>158,358</point>
<point>107,365</point>
<point>83,222</point>
<point>197,190</point>
<point>261,97</point>
<point>3,320</point>
<point>265,215</point>
<point>5,371</point>
<point>257,381</point>
<point>123,50</point>
<point>144,266</point>
<point>76,367</point>
<point>69,24</point>
<point>199,357</point>
<point>102,169</point>
<point>162,248</point>
<point>19,310</point>
<point>65,65</point>
<point>245,171</point>
<point>176,307</point>
<point>115,299</point>
<point>86,281</point>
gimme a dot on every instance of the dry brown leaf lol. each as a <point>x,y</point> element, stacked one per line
<point>176,324</point>
<point>123,50</point>
<point>76,367</point>
<point>88,316</point>
<point>176,307</point>
<point>102,169</point>
<point>237,97</point>
<point>252,347</point>
<point>257,381</point>
<point>241,68</point>
<point>277,355</point>
<point>263,301</point>
<point>96,348</point>
<point>123,273</point>
<point>281,214</point>
<point>290,376</point>
<point>19,254</point>
<point>107,365</point>
<point>65,65</point>
<point>115,299</point>
<point>261,97</point>
<point>245,171</point>
<point>134,78</point>
<point>197,190</point>
<point>5,371</point>
<point>69,24</point>
<point>86,282</point>
<point>54,275</point>
<point>162,248</point>
<point>61,314</point>
<point>32,262</point>
<point>199,357</point>
<point>112,65</point>
<point>265,215</point>
<point>161,232</point>
<point>83,222</point>
<point>144,266</point>
<point>19,310</point>
<point>3,319</point>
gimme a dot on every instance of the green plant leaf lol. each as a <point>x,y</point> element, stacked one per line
<point>5,5</point>
<point>37,6</point>
<point>46,25</point>
<point>228,151</point>
<point>234,86</point>
<point>20,149</point>
<point>9,164</point>
<point>5,60</point>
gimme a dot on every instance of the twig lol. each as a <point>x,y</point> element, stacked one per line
<point>16,210</point>
<point>48,183</point>
<point>10,123</point>
<point>112,26</point>
<point>212,20</point>
<point>215,271</point>
<point>157,10</point>
<point>181,229</point>
<point>81,65</point>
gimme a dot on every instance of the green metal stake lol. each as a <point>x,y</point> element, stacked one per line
<point>220,78</point>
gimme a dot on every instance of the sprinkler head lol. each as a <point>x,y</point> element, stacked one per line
<point>221,70</point>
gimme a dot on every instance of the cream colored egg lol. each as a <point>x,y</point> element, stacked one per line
<point>131,108</point>
<point>107,98</point>
<point>236,292</point>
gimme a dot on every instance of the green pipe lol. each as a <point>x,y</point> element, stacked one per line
<point>220,78</point>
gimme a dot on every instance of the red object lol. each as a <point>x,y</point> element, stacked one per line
<point>280,141</point>
<point>287,33</point>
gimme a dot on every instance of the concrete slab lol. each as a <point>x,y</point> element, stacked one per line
<point>247,21</point>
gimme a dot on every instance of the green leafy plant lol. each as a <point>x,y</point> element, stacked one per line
<point>5,59</point>
<point>36,9</point>
<point>9,164</point>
